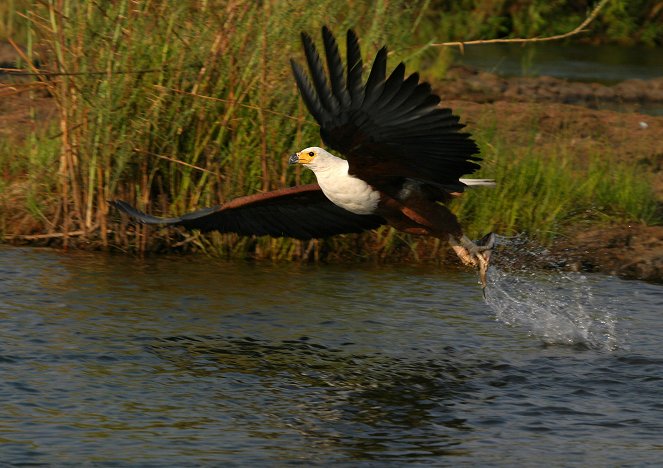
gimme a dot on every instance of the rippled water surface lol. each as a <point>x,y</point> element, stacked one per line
<point>179,361</point>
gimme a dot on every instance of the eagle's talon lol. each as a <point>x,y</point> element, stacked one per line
<point>476,255</point>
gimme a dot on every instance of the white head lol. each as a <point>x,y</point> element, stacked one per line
<point>315,159</point>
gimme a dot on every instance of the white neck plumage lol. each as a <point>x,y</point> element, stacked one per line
<point>341,188</point>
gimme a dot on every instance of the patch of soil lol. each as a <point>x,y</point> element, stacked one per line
<point>630,251</point>
<point>633,252</point>
<point>480,86</point>
<point>22,114</point>
<point>26,106</point>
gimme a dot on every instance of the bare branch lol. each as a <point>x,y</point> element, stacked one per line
<point>579,29</point>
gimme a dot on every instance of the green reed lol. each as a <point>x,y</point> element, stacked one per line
<point>173,105</point>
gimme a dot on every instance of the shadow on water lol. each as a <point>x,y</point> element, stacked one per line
<point>367,405</point>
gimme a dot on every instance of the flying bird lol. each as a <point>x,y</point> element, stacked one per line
<point>404,158</point>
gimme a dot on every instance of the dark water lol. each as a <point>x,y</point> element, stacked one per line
<point>179,361</point>
<point>576,62</point>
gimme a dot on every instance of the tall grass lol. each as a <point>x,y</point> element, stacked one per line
<point>12,24</point>
<point>173,105</point>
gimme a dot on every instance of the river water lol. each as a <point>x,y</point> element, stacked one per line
<point>576,62</point>
<point>188,361</point>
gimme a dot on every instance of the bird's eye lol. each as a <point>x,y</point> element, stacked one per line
<point>311,153</point>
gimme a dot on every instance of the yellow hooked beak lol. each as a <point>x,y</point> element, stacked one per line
<point>301,158</point>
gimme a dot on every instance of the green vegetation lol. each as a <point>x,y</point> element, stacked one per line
<point>622,21</point>
<point>176,105</point>
<point>542,192</point>
<point>11,23</point>
<point>626,22</point>
<point>186,104</point>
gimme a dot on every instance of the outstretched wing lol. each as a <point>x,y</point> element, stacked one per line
<point>388,127</point>
<point>302,212</point>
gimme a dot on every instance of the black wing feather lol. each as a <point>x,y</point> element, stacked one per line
<point>355,70</point>
<point>392,87</point>
<point>335,66</point>
<point>308,93</point>
<point>301,212</point>
<point>376,79</point>
<point>318,74</point>
<point>389,127</point>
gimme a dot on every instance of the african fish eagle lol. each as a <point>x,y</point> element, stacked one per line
<point>404,156</point>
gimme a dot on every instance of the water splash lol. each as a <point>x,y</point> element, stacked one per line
<point>558,307</point>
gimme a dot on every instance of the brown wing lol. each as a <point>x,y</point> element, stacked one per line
<point>389,127</point>
<point>302,212</point>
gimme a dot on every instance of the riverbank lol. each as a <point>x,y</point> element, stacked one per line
<point>626,249</point>
<point>632,95</point>
<point>521,112</point>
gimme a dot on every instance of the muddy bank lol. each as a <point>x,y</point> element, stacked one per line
<point>631,251</point>
<point>484,87</point>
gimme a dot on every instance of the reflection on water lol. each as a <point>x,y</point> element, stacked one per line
<point>182,361</point>
<point>326,394</point>
<point>576,62</point>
